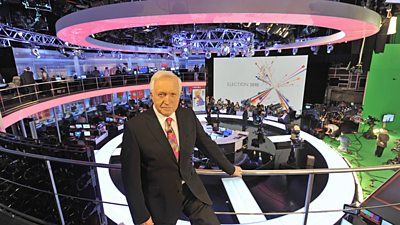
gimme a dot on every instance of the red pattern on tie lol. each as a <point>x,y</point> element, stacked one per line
<point>172,137</point>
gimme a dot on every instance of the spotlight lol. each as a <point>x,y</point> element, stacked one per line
<point>35,52</point>
<point>279,50</point>
<point>100,53</point>
<point>233,53</point>
<point>266,52</point>
<point>251,52</point>
<point>63,52</point>
<point>120,56</point>
<point>208,55</point>
<point>295,50</point>
<point>314,49</point>
<point>225,49</point>
<point>329,48</point>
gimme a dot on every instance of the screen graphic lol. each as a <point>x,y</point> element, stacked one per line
<point>265,80</point>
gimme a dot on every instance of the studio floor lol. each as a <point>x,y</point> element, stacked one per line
<point>363,155</point>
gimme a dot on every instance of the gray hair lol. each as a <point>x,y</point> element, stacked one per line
<point>161,74</point>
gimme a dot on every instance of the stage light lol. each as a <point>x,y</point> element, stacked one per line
<point>208,55</point>
<point>295,50</point>
<point>35,52</point>
<point>100,53</point>
<point>279,50</point>
<point>120,56</point>
<point>329,48</point>
<point>225,49</point>
<point>266,52</point>
<point>63,52</point>
<point>314,49</point>
<point>233,53</point>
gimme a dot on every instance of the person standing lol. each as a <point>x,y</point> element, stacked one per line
<point>381,142</point>
<point>345,142</point>
<point>245,117</point>
<point>157,172</point>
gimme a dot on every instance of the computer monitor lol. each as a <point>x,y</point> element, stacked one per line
<point>349,209</point>
<point>214,136</point>
<point>86,133</point>
<point>78,126</point>
<point>72,127</point>
<point>384,222</point>
<point>121,121</point>
<point>345,222</point>
<point>58,78</point>
<point>78,133</point>
<point>71,134</point>
<point>86,126</point>
<point>370,216</point>
<point>387,118</point>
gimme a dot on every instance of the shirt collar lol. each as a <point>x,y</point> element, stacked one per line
<point>161,117</point>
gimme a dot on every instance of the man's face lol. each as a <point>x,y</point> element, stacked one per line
<point>166,95</point>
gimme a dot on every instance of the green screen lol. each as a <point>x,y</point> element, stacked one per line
<point>382,93</point>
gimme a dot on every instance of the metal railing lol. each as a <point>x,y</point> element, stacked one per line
<point>13,98</point>
<point>54,190</point>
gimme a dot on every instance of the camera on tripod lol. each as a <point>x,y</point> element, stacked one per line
<point>371,121</point>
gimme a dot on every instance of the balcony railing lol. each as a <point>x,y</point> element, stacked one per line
<point>63,210</point>
<point>13,98</point>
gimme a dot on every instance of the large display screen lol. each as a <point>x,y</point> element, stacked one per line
<point>262,80</point>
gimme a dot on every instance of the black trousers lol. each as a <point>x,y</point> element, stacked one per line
<point>379,151</point>
<point>197,211</point>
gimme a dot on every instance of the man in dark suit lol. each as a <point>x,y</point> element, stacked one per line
<point>157,172</point>
<point>27,78</point>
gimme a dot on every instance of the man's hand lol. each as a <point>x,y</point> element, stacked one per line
<point>238,172</point>
<point>148,222</point>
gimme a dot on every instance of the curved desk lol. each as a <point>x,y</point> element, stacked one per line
<point>340,188</point>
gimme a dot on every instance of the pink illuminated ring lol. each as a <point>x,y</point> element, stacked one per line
<point>353,22</point>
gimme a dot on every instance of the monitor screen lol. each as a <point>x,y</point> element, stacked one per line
<point>121,121</point>
<point>350,209</point>
<point>388,118</point>
<point>78,126</point>
<point>83,76</point>
<point>345,222</point>
<point>370,216</point>
<point>71,134</point>
<point>86,133</point>
<point>58,78</point>
<point>78,134</point>
<point>144,70</point>
<point>71,126</point>
<point>384,222</point>
<point>86,126</point>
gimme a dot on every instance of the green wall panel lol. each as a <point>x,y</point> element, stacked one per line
<point>382,94</point>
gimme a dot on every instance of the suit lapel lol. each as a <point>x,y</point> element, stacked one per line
<point>158,132</point>
<point>183,129</point>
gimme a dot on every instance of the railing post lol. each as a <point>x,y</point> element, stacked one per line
<point>97,83</point>
<point>52,89</point>
<point>83,86</point>
<point>36,91</point>
<point>53,183</point>
<point>69,92</point>
<point>19,96</point>
<point>307,202</point>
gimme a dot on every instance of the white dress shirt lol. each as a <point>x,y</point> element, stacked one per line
<point>162,120</point>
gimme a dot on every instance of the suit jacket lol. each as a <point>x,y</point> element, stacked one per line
<point>27,77</point>
<point>151,175</point>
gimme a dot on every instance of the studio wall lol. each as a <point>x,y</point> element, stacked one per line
<point>383,86</point>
